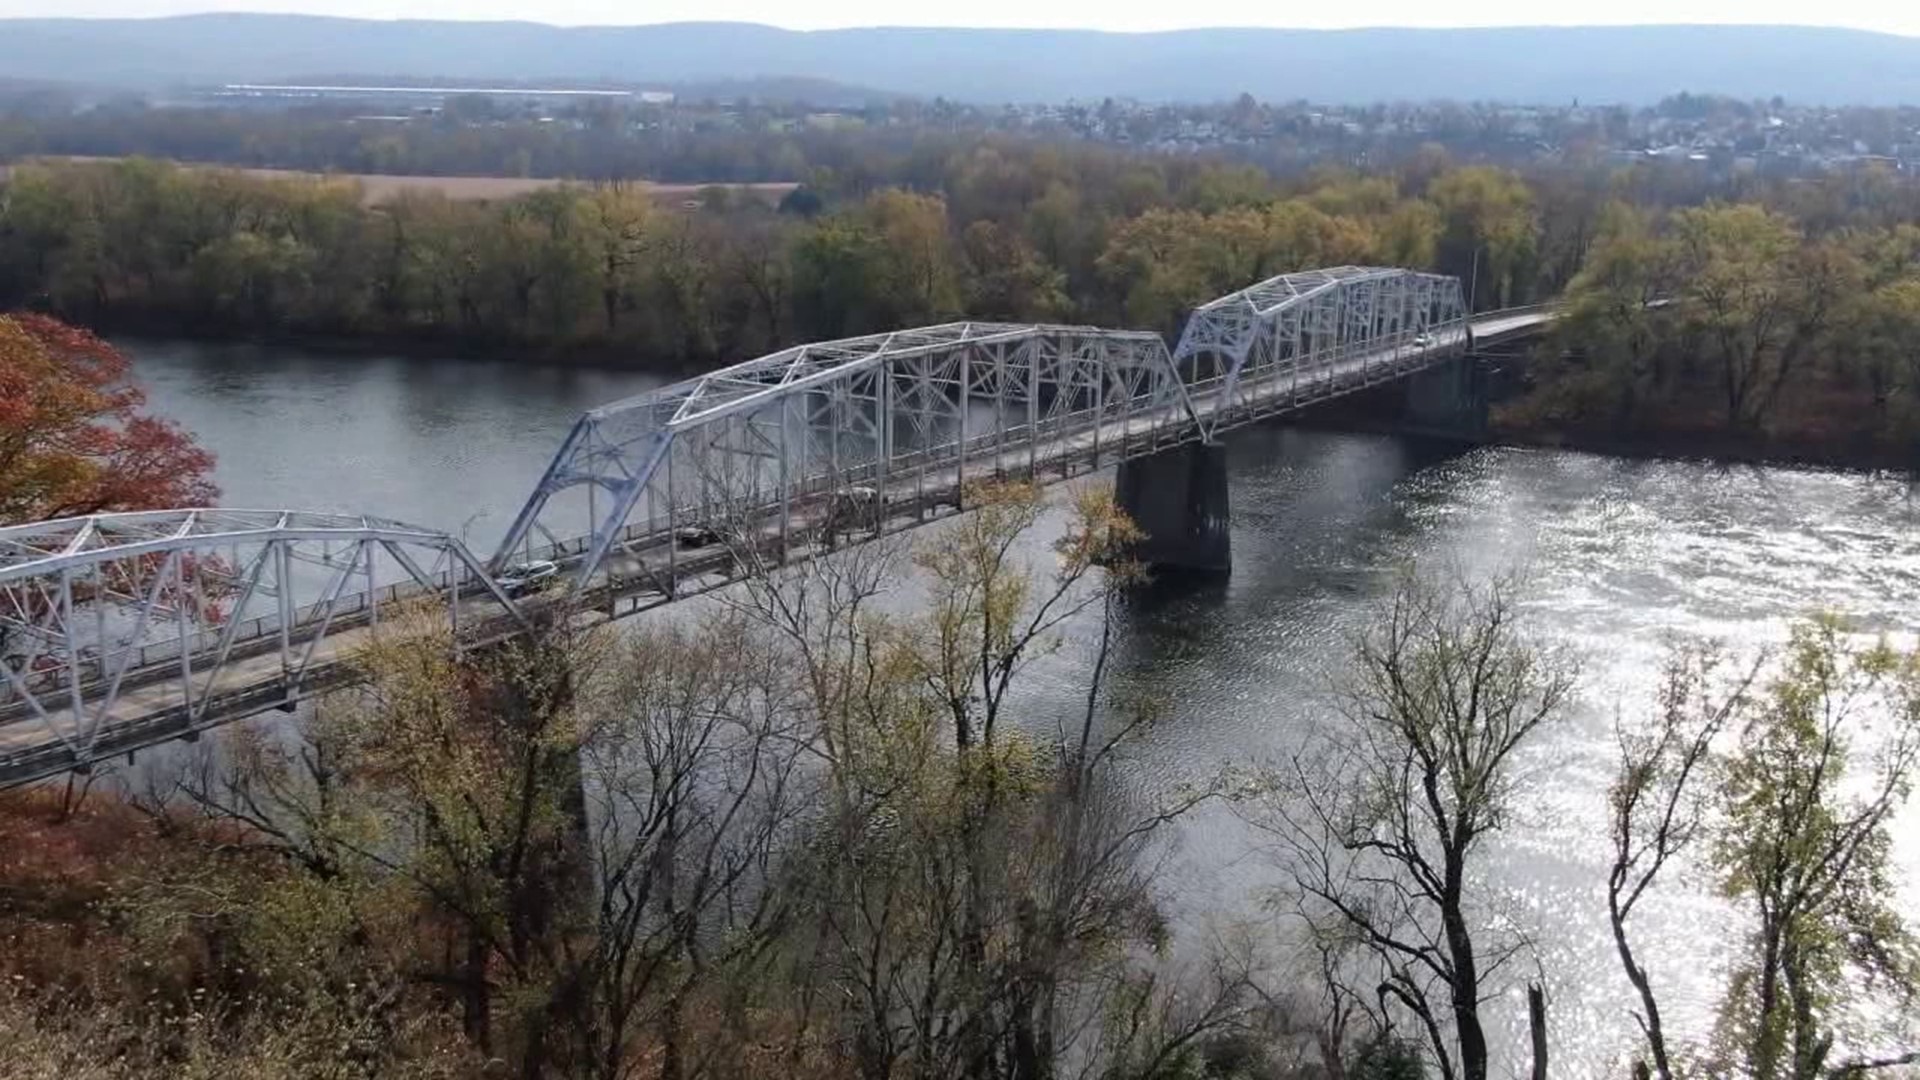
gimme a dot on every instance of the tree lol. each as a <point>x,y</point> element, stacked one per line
<point>1880,331</point>
<point>1657,804</point>
<point>1622,339</point>
<point>1805,847</point>
<point>977,884</point>
<point>838,280</point>
<point>1382,822</point>
<point>450,786</point>
<point>697,792</point>
<point>920,280</point>
<point>617,221</point>
<point>1007,279</point>
<point>74,435</point>
<point>1760,297</point>
<point>1488,231</point>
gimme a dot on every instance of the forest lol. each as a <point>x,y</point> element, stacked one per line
<point>1783,316</point>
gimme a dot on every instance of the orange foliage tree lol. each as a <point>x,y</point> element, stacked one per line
<point>74,436</point>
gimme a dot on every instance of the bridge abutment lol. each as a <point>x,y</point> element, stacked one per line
<point>1178,498</point>
<point>1448,400</point>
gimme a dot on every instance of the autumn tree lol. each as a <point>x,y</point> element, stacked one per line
<point>448,786</point>
<point>1760,298</point>
<point>697,791</point>
<point>74,434</point>
<point>1487,238</point>
<point>978,883</point>
<point>1007,279</point>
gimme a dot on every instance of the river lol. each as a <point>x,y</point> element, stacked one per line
<point>1619,554</point>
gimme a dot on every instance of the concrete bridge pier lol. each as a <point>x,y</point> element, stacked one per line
<point>1178,498</point>
<point>1448,400</point>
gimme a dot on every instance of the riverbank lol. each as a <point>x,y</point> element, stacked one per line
<point>1715,447</point>
<point>1514,421</point>
<point>1372,412</point>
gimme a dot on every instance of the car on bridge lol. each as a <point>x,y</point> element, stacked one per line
<point>696,536</point>
<point>527,577</point>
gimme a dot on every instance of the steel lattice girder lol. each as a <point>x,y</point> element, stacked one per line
<point>93,609</point>
<point>755,437</point>
<point>1300,323</point>
<point>759,435</point>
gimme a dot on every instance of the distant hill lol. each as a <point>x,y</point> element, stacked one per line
<point>1610,64</point>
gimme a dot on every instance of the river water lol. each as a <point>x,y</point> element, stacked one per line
<point>1619,555</point>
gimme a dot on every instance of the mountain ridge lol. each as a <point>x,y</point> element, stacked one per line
<point>1537,64</point>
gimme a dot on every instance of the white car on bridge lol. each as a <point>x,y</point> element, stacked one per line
<point>527,577</point>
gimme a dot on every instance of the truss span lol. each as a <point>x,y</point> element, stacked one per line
<point>1234,345</point>
<point>118,630</point>
<point>773,441</point>
<point>772,437</point>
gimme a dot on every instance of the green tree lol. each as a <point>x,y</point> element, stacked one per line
<point>921,281</point>
<point>617,224</point>
<point>1657,806</point>
<point>839,270</point>
<point>1487,239</point>
<point>1878,336</point>
<point>1824,760</point>
<point>1621,343</point>
<point>1007,278</point>
<point>1760,298</point>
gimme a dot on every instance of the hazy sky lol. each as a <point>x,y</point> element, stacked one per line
<point>1895,16</point>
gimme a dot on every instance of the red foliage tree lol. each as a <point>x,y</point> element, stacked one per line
<point>74,436</point>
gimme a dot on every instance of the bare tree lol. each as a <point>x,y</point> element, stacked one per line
<point>1656,804</point>
<point>975,892</point>
<point>455,778</point>
<point>1380,823</point>
<point>695,794</point>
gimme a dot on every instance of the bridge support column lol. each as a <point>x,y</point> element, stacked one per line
<point>1448,400</point>
<point>1178,498</point>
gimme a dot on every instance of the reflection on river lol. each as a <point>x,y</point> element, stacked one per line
<point>1620,554</point>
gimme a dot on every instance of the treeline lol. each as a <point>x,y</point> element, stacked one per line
<point>998,232</point>
<point>736,142</point>
<point>1737,321</point>
<point>1760,313</point>
<point>798,837</point>
<point>604,146</point>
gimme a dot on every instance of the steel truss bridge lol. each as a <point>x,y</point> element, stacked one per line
<point>122,631</point>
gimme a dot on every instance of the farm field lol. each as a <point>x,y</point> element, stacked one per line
<point>378,188</point>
